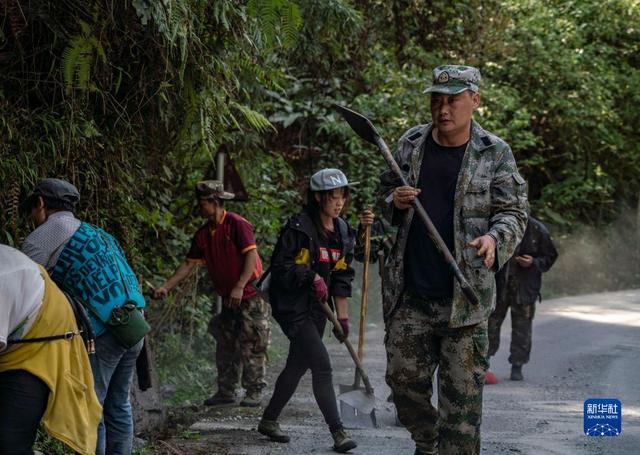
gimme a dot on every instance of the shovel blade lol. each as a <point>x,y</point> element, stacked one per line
<point>354,418</point>
<point>360,400</point>
<point>359,123</point>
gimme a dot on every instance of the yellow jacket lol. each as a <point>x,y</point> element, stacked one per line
<point>73,411</point>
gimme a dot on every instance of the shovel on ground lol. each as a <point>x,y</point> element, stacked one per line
<point>363,402</point>
<point>351,416</point>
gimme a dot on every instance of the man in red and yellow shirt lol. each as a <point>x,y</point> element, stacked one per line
<point>242,330</point>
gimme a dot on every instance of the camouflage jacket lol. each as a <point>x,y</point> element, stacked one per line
<point>490,198</point>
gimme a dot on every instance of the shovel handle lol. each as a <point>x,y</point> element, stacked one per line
<point>338,328</point>
<point>364,303</point>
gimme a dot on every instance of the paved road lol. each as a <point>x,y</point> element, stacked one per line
<point>584,347</point>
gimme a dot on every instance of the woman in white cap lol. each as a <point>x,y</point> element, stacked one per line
<point>311,264</point>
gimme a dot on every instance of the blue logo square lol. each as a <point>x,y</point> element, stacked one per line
<point>602,417</point>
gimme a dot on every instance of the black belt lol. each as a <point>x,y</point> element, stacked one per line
<point>65,336</point>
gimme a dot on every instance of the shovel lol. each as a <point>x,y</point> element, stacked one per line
<point>363,311</point>
<point>363,402</point>
<point>351,417</point>
<point>365,129</point>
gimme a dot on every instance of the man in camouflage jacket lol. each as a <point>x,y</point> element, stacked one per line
<point>481,215</point>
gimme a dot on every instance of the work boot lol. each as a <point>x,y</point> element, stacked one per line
<point>219,399</point>
<point>516,373</point>
<point>252,399</point>
<point>341,441</point>
<point>272,430</point>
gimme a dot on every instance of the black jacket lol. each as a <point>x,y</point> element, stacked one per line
<point>294,264</point>
<point>536,243</point>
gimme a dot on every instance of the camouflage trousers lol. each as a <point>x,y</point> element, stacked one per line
<point>419,340</point>
<point>522,314</point>
<point>242,338</point>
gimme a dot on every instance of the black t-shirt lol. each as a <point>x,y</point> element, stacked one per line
<point>426,272</point>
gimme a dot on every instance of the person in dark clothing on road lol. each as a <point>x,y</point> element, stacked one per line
<point>518,285</point>
<point>311,263</point>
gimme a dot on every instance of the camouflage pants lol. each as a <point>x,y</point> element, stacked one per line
<point>242,337</point>
<point>521,324</point>
<point>418,340</point>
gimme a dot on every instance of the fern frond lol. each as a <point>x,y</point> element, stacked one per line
<point>70,57</point>
<point>271,15</point>
<point>254,118</point>
<point>291,22</point>
<point>78,58</point>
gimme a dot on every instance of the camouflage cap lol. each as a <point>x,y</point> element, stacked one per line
<point>212,189</point>
<point>453,79</point>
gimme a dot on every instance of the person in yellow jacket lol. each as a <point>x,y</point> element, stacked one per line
<point>48,380</point>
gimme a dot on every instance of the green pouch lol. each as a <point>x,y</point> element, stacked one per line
<point>127,324</point>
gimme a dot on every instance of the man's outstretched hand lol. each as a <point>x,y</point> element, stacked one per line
<point>486,246</point>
